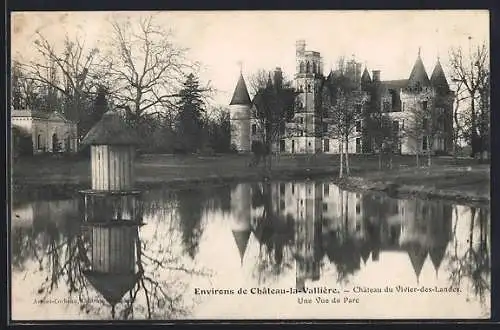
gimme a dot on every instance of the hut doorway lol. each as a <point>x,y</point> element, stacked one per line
<point>68,144</point>
<point>55,143</point>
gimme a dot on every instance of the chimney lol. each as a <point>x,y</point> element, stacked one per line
<point>278,78</point>
<point>376,75</point>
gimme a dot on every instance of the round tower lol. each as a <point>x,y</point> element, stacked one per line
<point>240,216</point>
<point>239,114</point>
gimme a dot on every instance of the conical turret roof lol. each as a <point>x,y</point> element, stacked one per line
<point>417,255</point>
<point>437,254</point>
<point>112,286</point>
<point>418,74</point>
<point>438,79</point>
<point>365,78</point>
<point>240,95</point>
<point>241,238</point>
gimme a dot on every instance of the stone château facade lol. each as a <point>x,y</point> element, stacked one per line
<point>399,100</point>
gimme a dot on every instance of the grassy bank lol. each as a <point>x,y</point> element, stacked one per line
<point>461,180</point>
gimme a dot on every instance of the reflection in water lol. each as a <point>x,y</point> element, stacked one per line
<point>311,231</point>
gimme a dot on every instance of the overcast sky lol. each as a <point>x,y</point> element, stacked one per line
<point>383,40</point>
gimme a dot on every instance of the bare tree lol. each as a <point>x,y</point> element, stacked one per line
<point>146,67</point>
<point>73,72</point>
<point>273,108</point>
<point>471,70</point>
<point>343,107</point>
<point>424,125</point>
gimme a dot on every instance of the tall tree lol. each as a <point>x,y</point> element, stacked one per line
<point>191,108</point>
<point>273,108</point>
<point>343,105</point>
<point>423,126</point>
<point>73,72</point>
<point>146,67</point>
<point>470,69</point>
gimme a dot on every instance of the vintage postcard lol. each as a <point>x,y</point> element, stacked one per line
<point>250,165</point>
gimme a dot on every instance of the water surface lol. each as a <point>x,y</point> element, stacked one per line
<point>198,247</point>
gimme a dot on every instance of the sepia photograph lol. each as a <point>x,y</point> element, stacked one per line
<point>249,165</point>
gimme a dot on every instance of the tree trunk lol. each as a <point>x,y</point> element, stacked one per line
<point>429,152</point>
<point>380,159</point>
<point>347,171</point>
<point>341,173</point>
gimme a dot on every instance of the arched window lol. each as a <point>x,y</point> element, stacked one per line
<point>315,68</point>
<point>39,141</point>
<point>308,67</point>
<point>301,67</point>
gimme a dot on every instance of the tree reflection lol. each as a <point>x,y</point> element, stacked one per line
<point>274,232</point>
<point>472,263</point>
<point>63,256</point>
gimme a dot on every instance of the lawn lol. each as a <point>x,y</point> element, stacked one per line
<point>446,176</point>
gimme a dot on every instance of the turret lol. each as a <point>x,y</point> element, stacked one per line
<point>438,79</point>
<point>239,112</point>
<point>418,76</point>
<point>240,217</point>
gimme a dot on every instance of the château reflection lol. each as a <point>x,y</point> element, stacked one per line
<point>312,223</point>
<point>276,230</point>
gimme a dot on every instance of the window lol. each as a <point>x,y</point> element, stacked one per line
<point>424,143</point>
<point>395,127</point>
<point>424,105</point>
<point>358,208</point>
<point>254,129</point>
<point>325,127</point>
<point>325,207</point>
<point>282,205</point>
<point>282,189</point>
<point>301,120</point>
<point>402,106</point>
<point>424,123</point>
<point>326,190</point>
<point>301,67</point>
<point>301,133</point>
<point>39,141</point>
<point>358,145</point>
<point>293,188</point>
<point>326,145</point>
<point>358,126</point>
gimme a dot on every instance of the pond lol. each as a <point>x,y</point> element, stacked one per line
<point>268,250</point>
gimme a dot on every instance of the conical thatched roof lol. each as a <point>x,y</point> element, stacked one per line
<point>240,95</point>
<point>241,238</point>
<point>111,130</point>
<point>112,286</point>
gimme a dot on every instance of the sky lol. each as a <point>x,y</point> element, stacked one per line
<point>382,40</point>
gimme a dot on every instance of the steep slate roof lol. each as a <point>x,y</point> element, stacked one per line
<point>241,238</point>
<point>417,255</point>
<point>112,286</point>
<point>366,76</point>
<point>240,95</point>
<point>418,74</point>
<point>395,84</point>
<point>437,254</point>
<point>438,78</point>
<point>111,129</point>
